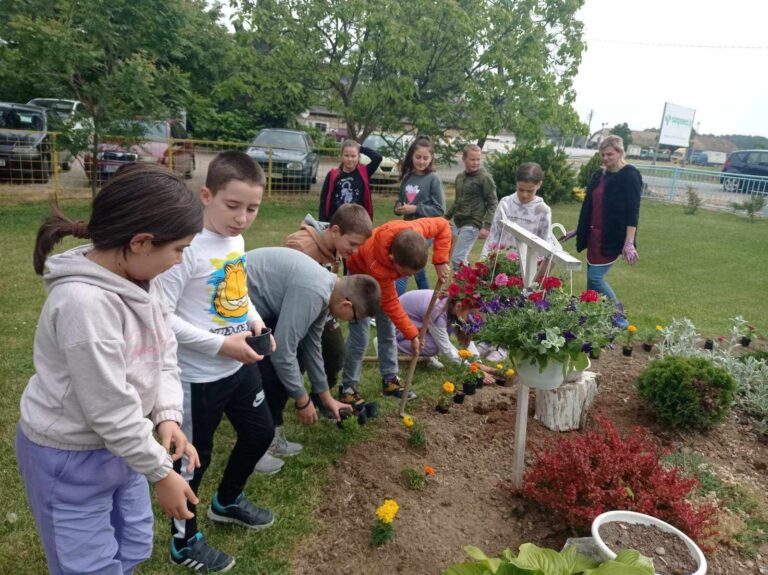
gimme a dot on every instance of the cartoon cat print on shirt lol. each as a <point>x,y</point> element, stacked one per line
<point>229,300</point>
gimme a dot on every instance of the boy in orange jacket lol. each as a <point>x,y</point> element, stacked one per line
<point>396,249</point>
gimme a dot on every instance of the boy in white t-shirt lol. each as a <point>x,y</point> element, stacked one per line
<point>212,316</point>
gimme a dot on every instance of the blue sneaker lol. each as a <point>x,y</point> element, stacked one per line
<point>242,512</point>
<point>201,557</point>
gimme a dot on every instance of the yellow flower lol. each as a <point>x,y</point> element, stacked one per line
<point>387,511</point>
<point>408,421</point>
<point>499,366</point>
<point>448,387</point>
<point>631,328</point>
<point>510,372</point>
<point>659,327</point>
<point>465,353</point>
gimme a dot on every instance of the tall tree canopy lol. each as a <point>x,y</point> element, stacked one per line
<point>474,65</point>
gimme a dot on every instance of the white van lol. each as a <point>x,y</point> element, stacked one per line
<point>65,110</point>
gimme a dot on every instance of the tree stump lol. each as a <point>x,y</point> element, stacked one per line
<point>566,408</point>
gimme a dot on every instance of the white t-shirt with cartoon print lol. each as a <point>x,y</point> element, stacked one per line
<point>208,296</point>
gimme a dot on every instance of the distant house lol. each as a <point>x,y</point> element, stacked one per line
<point>322,118</point>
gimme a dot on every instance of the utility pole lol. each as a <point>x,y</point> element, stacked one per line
<point>589,126</point>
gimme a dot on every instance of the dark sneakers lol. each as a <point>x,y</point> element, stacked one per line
<point>201,557</point>
<point>242,512</point>
<point>392,387</point>
<point>351,397</point>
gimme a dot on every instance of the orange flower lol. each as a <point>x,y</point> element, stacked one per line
<point>474,367</point>
<point>430,471</point>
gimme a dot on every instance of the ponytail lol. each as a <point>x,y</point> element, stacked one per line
<point>55,228</point>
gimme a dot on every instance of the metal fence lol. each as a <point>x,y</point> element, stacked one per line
<point>714,189</point>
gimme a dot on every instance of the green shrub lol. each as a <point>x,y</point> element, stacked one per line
<point>559,177</point>
<point>586,170</point>
<point>687,391</point>
<point>757,355</point>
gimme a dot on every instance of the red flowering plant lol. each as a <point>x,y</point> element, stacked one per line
<point>488,283</point>
<point>545,323</point>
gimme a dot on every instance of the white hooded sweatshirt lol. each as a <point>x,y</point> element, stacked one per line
<point>105,360</point>
<point>535,217</point>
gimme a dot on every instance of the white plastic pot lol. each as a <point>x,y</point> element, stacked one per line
<point>551,377</point>
<point>643,519</point>
<point>575,374</point>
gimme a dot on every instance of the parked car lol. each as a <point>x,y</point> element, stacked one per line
<point>25,147</point>
<point>339,134</point>
<point>150,145</point>
<point>388,173</point>
<point>294,163</point>
<point>63,112</point>
<point>746,163</point>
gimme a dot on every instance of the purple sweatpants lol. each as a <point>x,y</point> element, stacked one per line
<point>93,512</point>
<point>429,346</point>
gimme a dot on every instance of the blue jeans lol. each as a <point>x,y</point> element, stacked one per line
<point>466,236</point>
<point>596,280</point>
<point>401,284</point>
<point>357,344</point>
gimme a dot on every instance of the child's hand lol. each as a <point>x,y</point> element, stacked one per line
<point>483,234</point>
<point>171,434</point>
<point>443,272</point>
<point>236,347</point>
<point>336,407</point>
<point>568,236</point>
<point>172,493</point>
<point>257,326</point>
<point>416,346</point>
<point>405,209</point>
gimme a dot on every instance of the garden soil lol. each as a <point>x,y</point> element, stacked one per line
<point>471,450</point>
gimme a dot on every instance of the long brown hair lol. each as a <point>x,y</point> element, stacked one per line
<point>420,142</point>
<point>141,198</point>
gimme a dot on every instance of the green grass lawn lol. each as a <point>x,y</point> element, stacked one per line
<point>707,267</point>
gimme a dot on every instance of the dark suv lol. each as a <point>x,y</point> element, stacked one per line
<point>752,169</point>
<point>294,163</point>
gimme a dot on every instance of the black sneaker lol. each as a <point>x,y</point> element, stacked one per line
<point>242,512</point>
<point>201,557</point>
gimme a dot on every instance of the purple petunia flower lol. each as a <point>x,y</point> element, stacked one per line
<point>569,335</point>
<point>587,347</point>
<point>582,320</point>
<point>542,305</point>
<point>542,336</point>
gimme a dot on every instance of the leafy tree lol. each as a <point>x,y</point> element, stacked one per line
<point>115,59</point>
<point>473,65</point>
<point>623,131</point>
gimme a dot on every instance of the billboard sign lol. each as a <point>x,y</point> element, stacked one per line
<point>676,125</point>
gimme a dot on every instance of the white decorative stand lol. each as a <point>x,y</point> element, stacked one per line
<point>530,248</point>
<point>566,408</point>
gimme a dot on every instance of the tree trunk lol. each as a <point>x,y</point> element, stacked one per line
<point>566,408</point>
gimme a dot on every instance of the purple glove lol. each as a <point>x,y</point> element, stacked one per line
<point>630,253</point>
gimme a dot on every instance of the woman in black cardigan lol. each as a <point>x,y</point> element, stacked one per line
<point>608,219</point>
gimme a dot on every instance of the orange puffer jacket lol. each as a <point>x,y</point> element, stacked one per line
<point>373,259</point>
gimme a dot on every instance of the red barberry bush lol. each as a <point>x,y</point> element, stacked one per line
<point>579,476</point>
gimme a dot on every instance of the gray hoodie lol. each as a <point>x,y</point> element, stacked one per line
<point>105,360</point>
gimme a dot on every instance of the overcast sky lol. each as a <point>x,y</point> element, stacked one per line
<point>642,53</point>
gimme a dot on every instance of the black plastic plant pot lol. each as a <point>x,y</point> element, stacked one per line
<point>627,350</point>
<point>469,388</point>
<point>261,344</point>
<point>372,409</point>
<point>442,408</point>
<point>709,344</point>
<point>647,346</point>
<point>479,383</point>
<point>362,417</point>
<point>459,398</point>
<point>745,341</point>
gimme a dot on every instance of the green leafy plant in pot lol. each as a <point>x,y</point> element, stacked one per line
<point>548,331</point>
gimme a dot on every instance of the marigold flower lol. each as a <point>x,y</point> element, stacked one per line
<point>510,372</point>
<point>408,421</point>
<point>474,367</point>
<point>387,511</point>
<point>430,471</point>
<point>448,387</point>
<point>465,353</point>
<point>499,366</point>
<point>659,327</point>
<point>632,328</point>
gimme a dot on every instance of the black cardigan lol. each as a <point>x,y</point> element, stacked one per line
<point>621,208</point>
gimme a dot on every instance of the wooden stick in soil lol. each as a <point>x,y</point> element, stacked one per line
<point>415,356</point>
